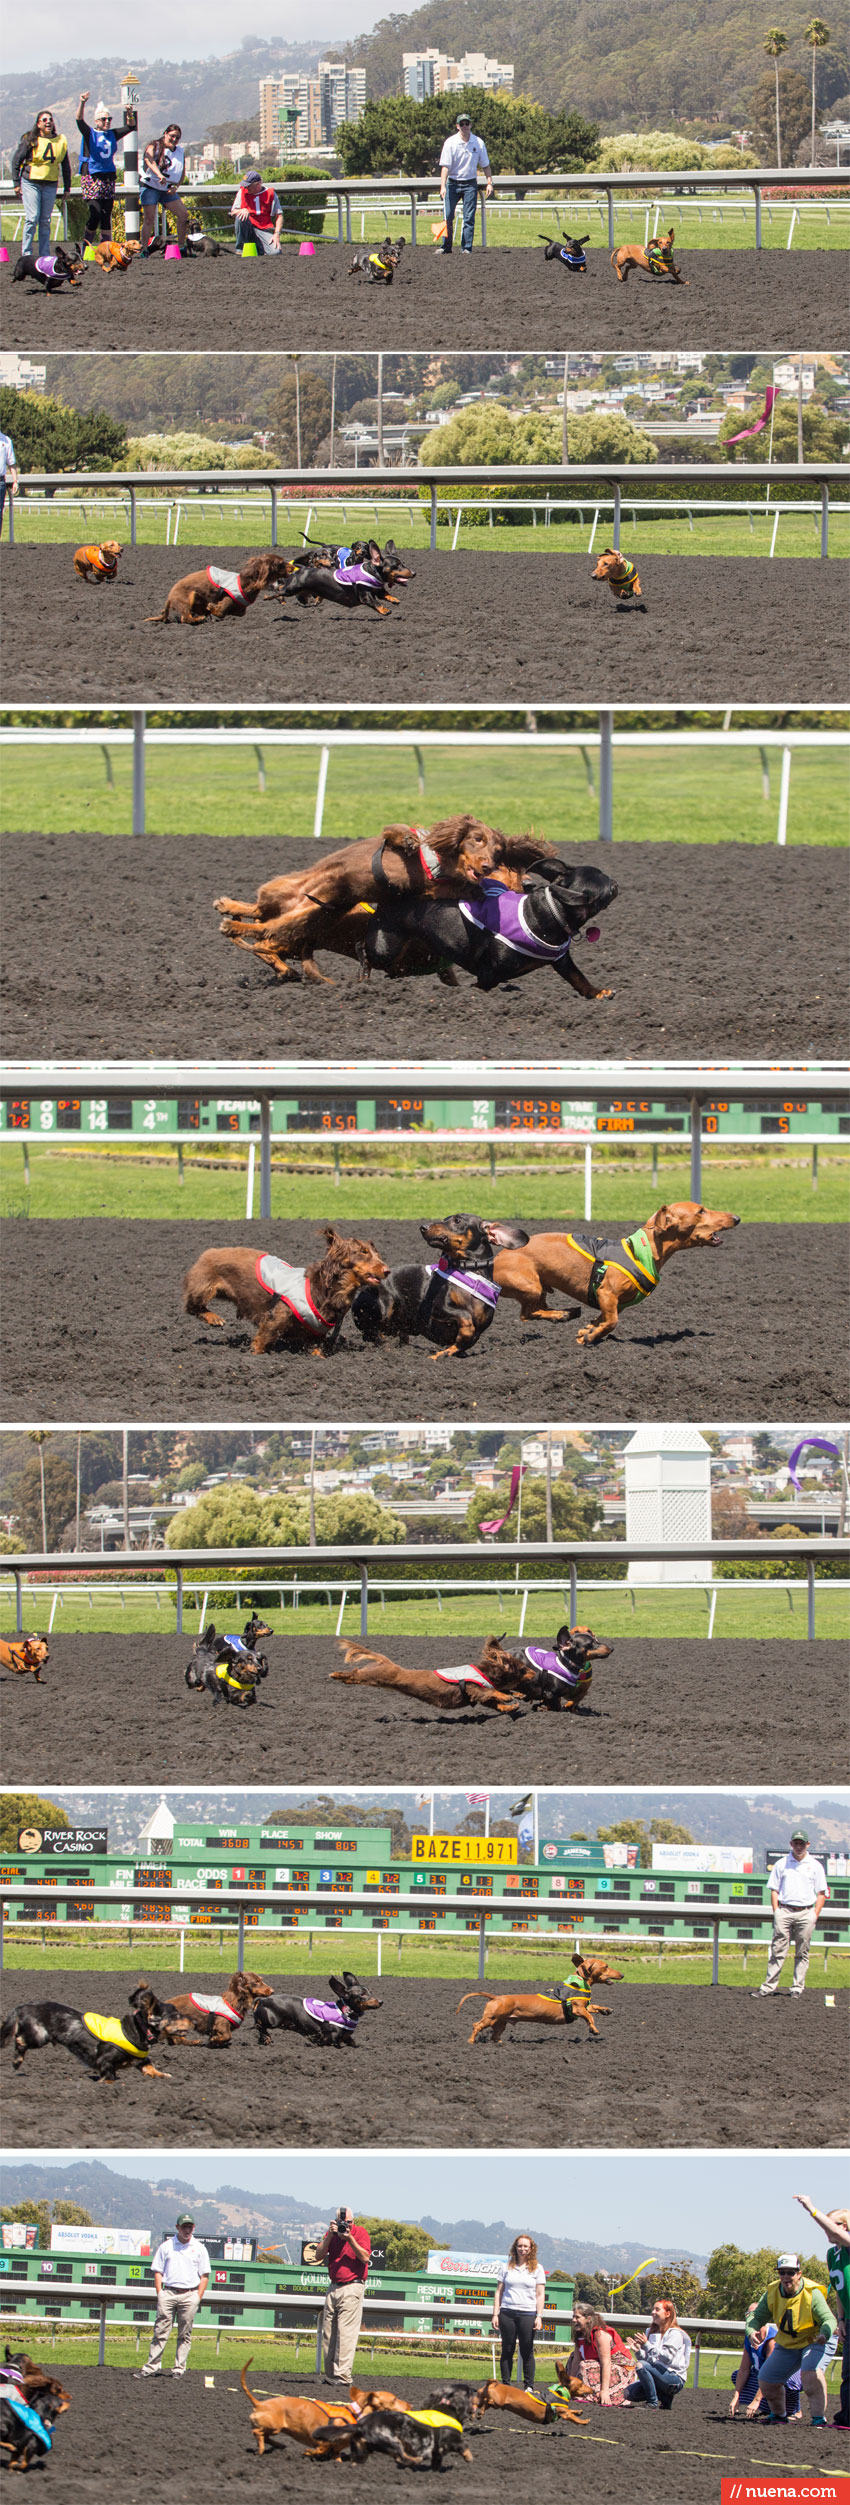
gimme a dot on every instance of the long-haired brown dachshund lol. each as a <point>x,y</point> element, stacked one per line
<point>505,2008</point>
<point>609,1274</point>
<point>279,924</point>
<point>217,591</point>
<point>98,565</point>
<point>495,1681</point>
<point>528,2405</point>
<point>291,1307</point>
<point>30,2378</point>
<point>621,575</point>
<point>211,2018</point>
<point>21,1653</point>
<point>656,257</point>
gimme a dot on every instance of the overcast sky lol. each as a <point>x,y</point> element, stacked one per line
<point>201,31</point>
<point>671,2196</point>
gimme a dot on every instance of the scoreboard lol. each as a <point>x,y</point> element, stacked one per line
<point>60,2286</point>
<point>654,1116</point>
<point>195,1882</point>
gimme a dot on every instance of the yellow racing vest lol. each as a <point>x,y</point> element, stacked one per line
<point>110,2031</point>
<point>434,2418</point>
<point>793,2315</point>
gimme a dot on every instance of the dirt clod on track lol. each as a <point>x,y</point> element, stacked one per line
<point>120,1702</point>
<point>116,2426</point>
<point>740,299</point>
<point>711,2048</point>
<point>535,630</point>
<point>121,981</point>
<point>92,1327</point>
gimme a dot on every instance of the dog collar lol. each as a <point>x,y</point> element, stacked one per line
<point>429,858</point>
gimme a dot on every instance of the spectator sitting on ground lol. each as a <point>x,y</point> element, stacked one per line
<point>747,2393</point>
<point>258,214</point>
<point>806,2337</point>
<point>598,2354</point>
<point>163,167</point>
<point>663,2354</point>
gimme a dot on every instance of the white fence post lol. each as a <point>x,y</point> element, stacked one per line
<point>784,789</point>
<point>321,787</point>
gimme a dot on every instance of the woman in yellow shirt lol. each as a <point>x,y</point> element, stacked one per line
<point>40,159</point>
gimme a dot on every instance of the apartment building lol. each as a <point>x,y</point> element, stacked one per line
<point>300,114</point>
<point>434,73</point>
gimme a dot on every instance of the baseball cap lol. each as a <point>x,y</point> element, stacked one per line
<point>787,2261</point>
<point>253,178</point>
<point>464,117</point>
<point>185,2219</point>
<point>798,1835</point>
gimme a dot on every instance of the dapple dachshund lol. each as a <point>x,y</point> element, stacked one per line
<point>282,921</point>
<point>656,258</point>
<point>497,935</point>
<point>23,1653</point>
<point>98,565</point>
<point>297,1308</point>
<point>323,2022</point>
<point>221,592</point>
<point>32,2024</point>
<point>452,1301</point>
<point>623,580</point>
<point>210,2018</point>
<point>535,2008</point>
<point>527,2405</point>
<point>500,1681</point>
<point>51,270</point>
<point>608,1274</point>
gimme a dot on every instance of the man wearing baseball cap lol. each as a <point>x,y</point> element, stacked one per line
<point>806,2337</point>
<point>461,156</point>
<point>258,214</point>
<point>798,1893</point>
<point>181,2268</point>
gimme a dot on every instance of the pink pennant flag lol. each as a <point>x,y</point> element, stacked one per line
<point>489,1530</point>
<point>771,394</point>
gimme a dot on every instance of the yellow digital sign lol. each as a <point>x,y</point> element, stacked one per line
<point>499,1851</point>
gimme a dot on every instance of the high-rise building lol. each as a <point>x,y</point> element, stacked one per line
<point>343,96</point>
<point>434,73</point>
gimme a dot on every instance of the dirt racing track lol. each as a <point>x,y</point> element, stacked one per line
<point>703,2051</point>
<point>536,630</point>
<point>92,1327</point>
<point>120,1702</point>
<point>116,2427</point>
<point>119,981</point>
<point>733,299</point>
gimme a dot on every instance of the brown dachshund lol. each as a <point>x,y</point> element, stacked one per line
<point>221,592</point>
<point>35,2378</point>
<point>621,575</point>
<point>533,2007</point>
<point>282,921</point>
<point>657,258</point>
<point>183,2017</point>
<point>526,2405</point>
<point>291,1307</point>
<point>306,2420</point>
<point>595,1969</point>
<point>496,1681</point>
<point>606,1275</point>
<point>113,257</point>
<point>98,565</point>
<point>21,1653</point>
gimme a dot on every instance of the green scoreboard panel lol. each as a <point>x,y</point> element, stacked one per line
<point>67,2286</point>
<point>124,1117</point>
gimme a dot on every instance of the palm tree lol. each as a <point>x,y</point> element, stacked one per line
<point>775,43</point>
<point>817,34</point>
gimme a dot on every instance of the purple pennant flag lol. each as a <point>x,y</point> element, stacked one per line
<point>809,1443</point>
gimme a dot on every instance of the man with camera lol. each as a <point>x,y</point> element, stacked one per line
<point>347,2251</point>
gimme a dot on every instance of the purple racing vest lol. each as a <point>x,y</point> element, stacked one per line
<point>329,2014</point>
<point>46,265</point>
<point>358,574</point>
<point>499,909</point>
<point>224,579</point>
<point>485,1288</point>
<point>541,1659</point>
<point>284,1280</point>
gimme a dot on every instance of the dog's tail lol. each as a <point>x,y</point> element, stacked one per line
<point>621,273</point>
<point>249,2395</point>
<point>474,1996</point>
<point>161,618</point>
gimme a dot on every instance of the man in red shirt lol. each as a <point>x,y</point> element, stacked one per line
<point>258,214</point>
<point>347,2250</point>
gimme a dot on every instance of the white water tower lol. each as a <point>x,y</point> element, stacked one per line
<point>668,1497</point>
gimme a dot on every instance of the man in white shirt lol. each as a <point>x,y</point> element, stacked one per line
<point>181,2269</point>
<point>461,157</point>
<point>798,1893</point>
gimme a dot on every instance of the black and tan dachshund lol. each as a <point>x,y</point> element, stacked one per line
<point>451,1301</point>
<point>103,2045</point>
<point>418,2439</point>
<point>364,581</point>
<point>221,1666</point>
<point>322,2022</point>
<point>52,269</point>
<point>498,934</point>
<point>21,2443</point>
<point>380,264</point>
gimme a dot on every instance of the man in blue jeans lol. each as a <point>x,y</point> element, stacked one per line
<point>461,157</point>
<point>8,472</point>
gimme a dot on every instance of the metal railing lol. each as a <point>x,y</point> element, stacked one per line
<point>336,1562</point>
<point>834,1926</point>
<point>461,1080</point>
<point>530,742</point>
<point>414,191</point>
<point>437,478</point>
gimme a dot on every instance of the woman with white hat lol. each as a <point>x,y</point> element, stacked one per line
<point>98,168</point>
